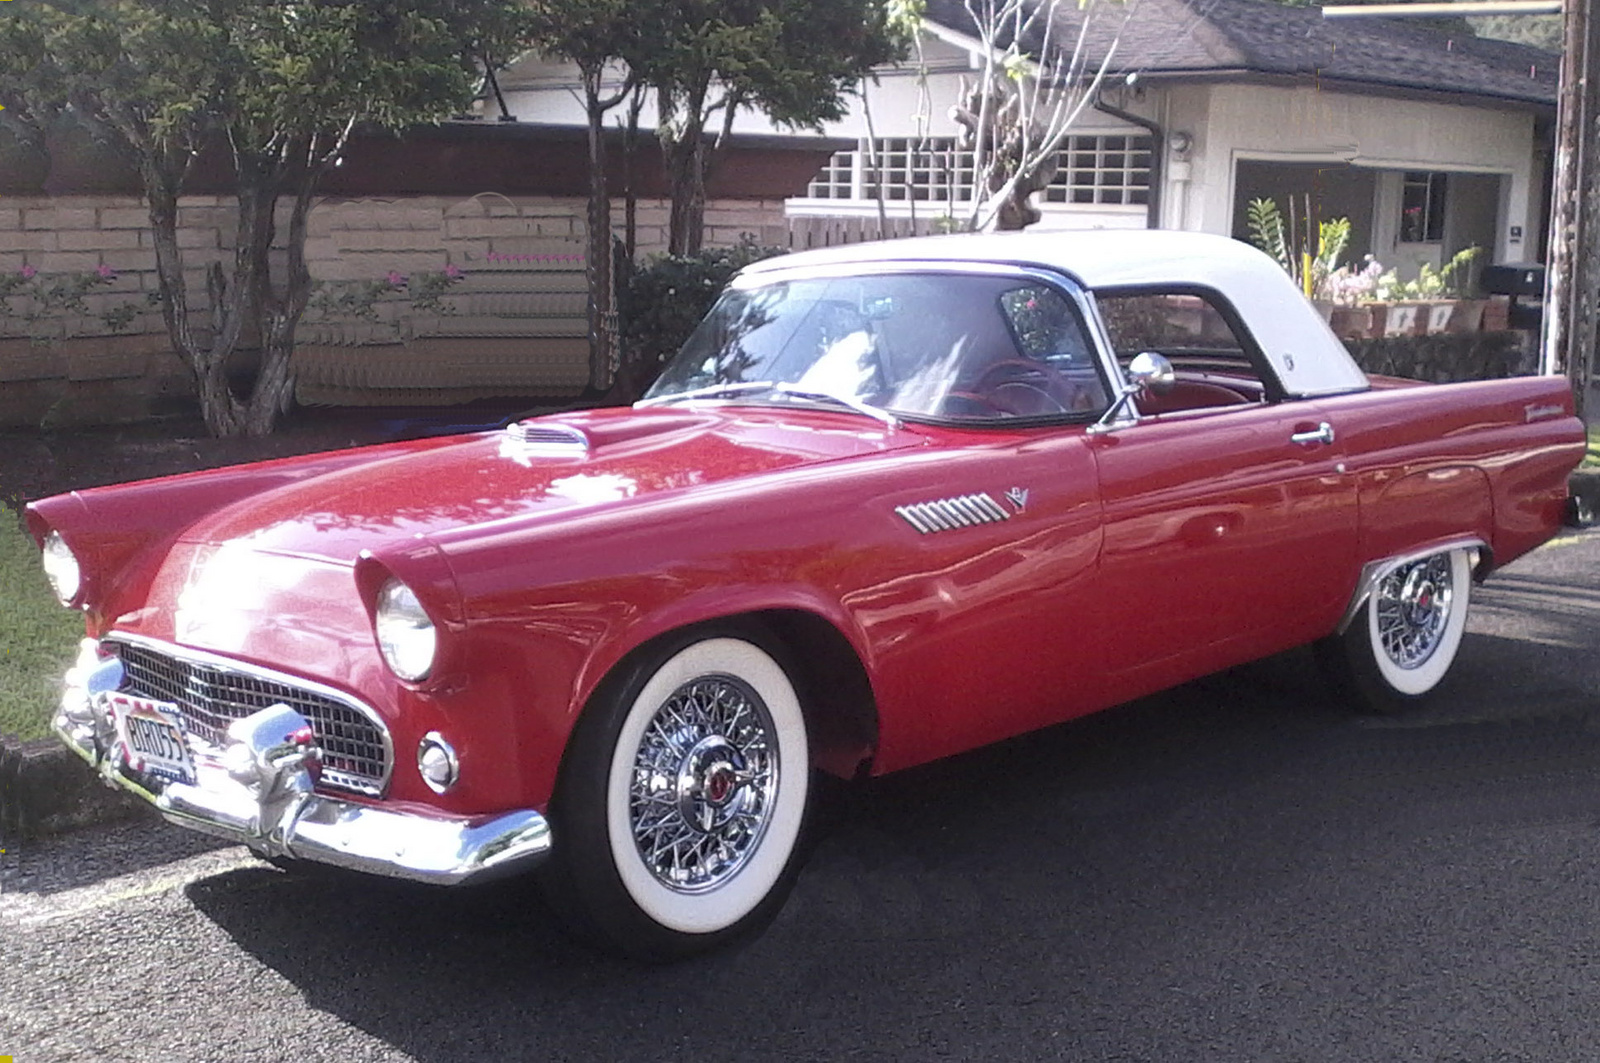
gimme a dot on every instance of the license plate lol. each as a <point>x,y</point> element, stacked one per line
<point>151,736</point>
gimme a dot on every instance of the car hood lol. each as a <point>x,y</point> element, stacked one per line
<point>601,458</point>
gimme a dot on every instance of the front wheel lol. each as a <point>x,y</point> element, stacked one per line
<point>1399,646</point>
<point>679,809</point>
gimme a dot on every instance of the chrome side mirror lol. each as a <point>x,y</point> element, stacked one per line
<point>1148,374</point>
<point>1152,374</point>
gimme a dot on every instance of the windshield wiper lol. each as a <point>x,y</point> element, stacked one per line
<point>846,401</point>
<point>711,391</point>
<point>724,391</point>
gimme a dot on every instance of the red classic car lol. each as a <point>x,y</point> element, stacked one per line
<point>889,503</point>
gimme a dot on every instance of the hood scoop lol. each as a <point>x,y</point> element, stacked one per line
<point>548,439</point>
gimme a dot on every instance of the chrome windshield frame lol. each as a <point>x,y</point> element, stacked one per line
<point>1081,298</point>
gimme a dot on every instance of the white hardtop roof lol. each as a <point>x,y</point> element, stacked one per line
<point>1307,357</point>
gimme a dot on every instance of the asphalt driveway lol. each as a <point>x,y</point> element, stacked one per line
<point>1237,870</point>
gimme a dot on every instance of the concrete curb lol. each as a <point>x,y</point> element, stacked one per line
<point>45,789</point>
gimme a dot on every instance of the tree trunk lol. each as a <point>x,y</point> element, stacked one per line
<point>684,155</point>
<point>630,149</point>
<point>222,412</point>
<point>686,185</point>
<point>279,314</point>
<point>602,318</point>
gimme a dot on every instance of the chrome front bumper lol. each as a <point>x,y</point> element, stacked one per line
<point>261,793</point>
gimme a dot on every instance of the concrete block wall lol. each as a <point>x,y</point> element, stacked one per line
<point>41,361</point>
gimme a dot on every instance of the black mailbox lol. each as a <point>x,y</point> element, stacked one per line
<point>1513,278</point>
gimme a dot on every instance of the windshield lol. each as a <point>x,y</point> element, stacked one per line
<point>967,347</point>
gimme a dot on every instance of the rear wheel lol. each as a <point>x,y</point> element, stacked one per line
<point>679,809</point>
<point>1405,637</point>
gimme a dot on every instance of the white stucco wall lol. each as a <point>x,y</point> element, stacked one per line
<point>548,91</point>
<point>1227,123</point>
<point>1307,124</point>
<point>911,100</point>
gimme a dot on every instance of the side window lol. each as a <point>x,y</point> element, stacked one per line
<point>1215,365</point>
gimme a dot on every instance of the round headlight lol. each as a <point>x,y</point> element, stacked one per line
<point>405,633</point>
<point>61,568</point>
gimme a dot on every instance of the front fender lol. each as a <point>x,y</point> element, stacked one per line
<point>706,606</point>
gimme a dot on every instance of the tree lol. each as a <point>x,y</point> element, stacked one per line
<point>279,86</point>
<point>597,35</point>
<point>1041,62</point>
<point>1540,31</point>
<point>793,60</point>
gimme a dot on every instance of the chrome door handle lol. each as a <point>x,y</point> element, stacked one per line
<point>1323,433</point>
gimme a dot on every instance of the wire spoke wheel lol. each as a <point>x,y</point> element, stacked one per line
<point>703,785</point>
<point>1404,638</point>
<point>681,803</point>
<point>1413,608</point>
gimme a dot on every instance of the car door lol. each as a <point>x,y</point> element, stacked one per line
<point>1230,524</point>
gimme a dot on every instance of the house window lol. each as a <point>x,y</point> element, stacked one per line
<point>836,181</point>
<point>925,169</point>
<point>1093,169</point>
<point>1102,170</point>
<point>1422,208</point>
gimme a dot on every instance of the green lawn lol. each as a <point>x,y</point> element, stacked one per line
<point>38,638</point>
<point>1592,459</point>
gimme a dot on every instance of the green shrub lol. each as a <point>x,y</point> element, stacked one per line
<point>665,300</point>
<point>1447,356</point>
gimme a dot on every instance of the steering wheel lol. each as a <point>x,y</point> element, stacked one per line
<point>1019,388</point>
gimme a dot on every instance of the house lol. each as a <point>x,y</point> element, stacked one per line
<point>1427,141</point>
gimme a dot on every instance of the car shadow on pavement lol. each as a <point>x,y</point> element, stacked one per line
<point>1186,841</point>
<point>84,858</point>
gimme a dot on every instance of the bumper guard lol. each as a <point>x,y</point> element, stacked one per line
<point>260,792</point>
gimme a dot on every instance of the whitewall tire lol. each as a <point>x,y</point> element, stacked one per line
<point>679,812</point>
<point>1402,642</point>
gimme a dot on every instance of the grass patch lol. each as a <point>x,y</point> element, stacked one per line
<point>1591,460</point>
<point>38,638</point>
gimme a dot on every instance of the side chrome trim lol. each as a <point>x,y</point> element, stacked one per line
<point>947,514</point>
<point>1374,571</point>
<point>229,664</point>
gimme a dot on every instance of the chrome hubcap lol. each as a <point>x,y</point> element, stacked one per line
<point>704,781</point>
<point>1413,609</point>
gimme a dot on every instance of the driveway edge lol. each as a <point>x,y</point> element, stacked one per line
<point>46,789</point>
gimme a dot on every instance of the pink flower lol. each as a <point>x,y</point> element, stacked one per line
<point>453,272</point>
<point>105,272</point>
<point>396,279</point>
<point>28,273</point>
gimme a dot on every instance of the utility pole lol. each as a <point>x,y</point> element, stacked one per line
<point>1572,281</point>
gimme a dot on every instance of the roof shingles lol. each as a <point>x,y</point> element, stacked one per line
<point>1174,38</point>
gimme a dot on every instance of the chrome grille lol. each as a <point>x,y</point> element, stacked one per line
<point>355,750</point>
<point>946,514</point>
